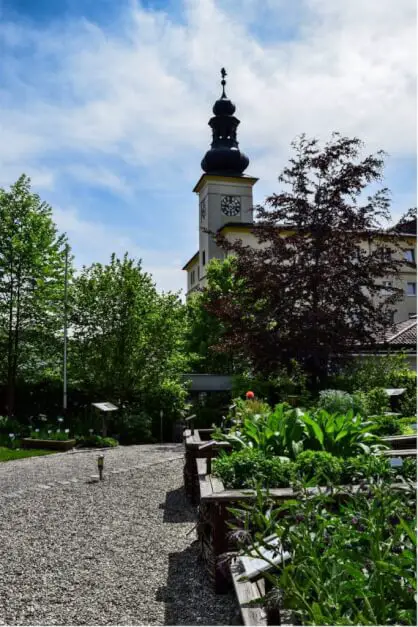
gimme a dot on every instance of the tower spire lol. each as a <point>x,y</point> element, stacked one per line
<point>223,82</point>
<point>224,156</point>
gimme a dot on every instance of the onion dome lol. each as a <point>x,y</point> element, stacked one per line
<point>224,156</point>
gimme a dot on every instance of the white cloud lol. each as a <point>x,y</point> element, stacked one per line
<point>142,96</point>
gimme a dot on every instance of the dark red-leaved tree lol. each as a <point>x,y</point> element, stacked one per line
<point>313,286</point>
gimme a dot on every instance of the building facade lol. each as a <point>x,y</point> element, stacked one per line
<point>225,205</point>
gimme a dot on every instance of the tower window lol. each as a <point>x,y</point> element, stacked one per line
<point>192,277</point>
<point>410,255</point>
<point>411,289</point>
<point>203,258</point>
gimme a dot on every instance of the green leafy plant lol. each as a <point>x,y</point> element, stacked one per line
<point>318,468</point>
<point>340,402</point>
<point>346,555</point>
<point>49,434</point>
<point>386,425</point>
<point>377,401</point>
<point>250,467</point>
<point>95,441</point>
<point>288,432</point>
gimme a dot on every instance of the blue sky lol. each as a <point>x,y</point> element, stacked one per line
<point>105,105</point>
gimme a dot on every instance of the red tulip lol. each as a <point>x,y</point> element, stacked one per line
<point>249,395</point>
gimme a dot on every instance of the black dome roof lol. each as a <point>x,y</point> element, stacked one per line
<point>223,106</point>
<point>224,156</point>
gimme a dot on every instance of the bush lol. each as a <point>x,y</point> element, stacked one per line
<point>248,409</point>
<point>366,468</point>
<point>248,467</point>
<point>277,387</point>
<point>408,470</point>
<point>133,426</point>
<point>377,401</point>
<point>318,467</point>
<point>340,402</point>
<point>95,441</point>
<point>387,425</point>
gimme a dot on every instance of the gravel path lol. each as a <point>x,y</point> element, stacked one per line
<point>77,552</point>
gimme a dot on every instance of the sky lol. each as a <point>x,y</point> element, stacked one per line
<point>105,105</point>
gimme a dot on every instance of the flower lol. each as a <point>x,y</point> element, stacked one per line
<point>91,431</point>
<point>67,431</point>
<point>354,520</point>
<point>36,430</point>
<point>49,430</point>
<point>60,419</point>
<point>249,395</point>
<point>11,435</point>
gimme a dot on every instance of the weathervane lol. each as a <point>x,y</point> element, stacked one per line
<point>223,82</point>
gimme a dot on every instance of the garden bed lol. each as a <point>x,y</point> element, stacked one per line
<point>193,440</point>
<point>213,529</point>
<point>55,445</point>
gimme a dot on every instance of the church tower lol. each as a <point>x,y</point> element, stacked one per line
<point>225,193</point>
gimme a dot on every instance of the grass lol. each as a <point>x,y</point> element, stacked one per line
<point>7,454</point>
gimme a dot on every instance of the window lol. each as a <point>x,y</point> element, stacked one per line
<point>411,289</point>
<point>204,258</point>
<point>410,255</point>
<point>387,284</point>
<point>192,277</point>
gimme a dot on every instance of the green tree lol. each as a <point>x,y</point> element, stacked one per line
<point>204,329</point>
<point>127,339</point>
<point>32,258</point>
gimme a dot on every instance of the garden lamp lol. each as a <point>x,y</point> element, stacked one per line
<point>100,466</point>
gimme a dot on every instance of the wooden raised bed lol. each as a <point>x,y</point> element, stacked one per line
<point>213,530</point>
<point>193,440</point>
<point>55,445</point>
<point>401,442</point>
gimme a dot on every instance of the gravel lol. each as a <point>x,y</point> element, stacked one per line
<point>75,551</point>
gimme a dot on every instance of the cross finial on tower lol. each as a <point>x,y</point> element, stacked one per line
<point>223,82</point>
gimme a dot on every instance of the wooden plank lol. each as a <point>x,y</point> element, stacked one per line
<point>412,452</point>
<point>217,485</point>
<point>247,592</point>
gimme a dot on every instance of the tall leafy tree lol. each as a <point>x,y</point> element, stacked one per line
<point>205,329</point>
<point>127,339</point>
<point>313,287</point>
<point>32,257</point>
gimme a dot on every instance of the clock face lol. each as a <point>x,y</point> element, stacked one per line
<point>203,210</point>
<point>231,205</point>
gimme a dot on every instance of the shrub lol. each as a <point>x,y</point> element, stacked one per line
<point>366,468</point>
<point>408,470</point>
<point>318,468</point>
<point>248,467</point>
<point>277,387</point>
<point>95,441</point>
<point>340,402</point>
<point>133,426</point>
<point>377,401</point>
<point>386,425</point>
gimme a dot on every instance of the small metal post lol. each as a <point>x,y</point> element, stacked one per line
<point>209,465</point>
<point>100,466</point>
<point>161,425</point>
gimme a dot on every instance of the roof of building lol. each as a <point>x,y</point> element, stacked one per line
<point>403,334</point>
<point>191,260</point>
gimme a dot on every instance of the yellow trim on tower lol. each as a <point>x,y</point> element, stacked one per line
<point>218,177</point>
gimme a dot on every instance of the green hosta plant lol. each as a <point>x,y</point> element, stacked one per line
<point>261,431</point>
<point>343,435</point>
<point>287,432</point>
